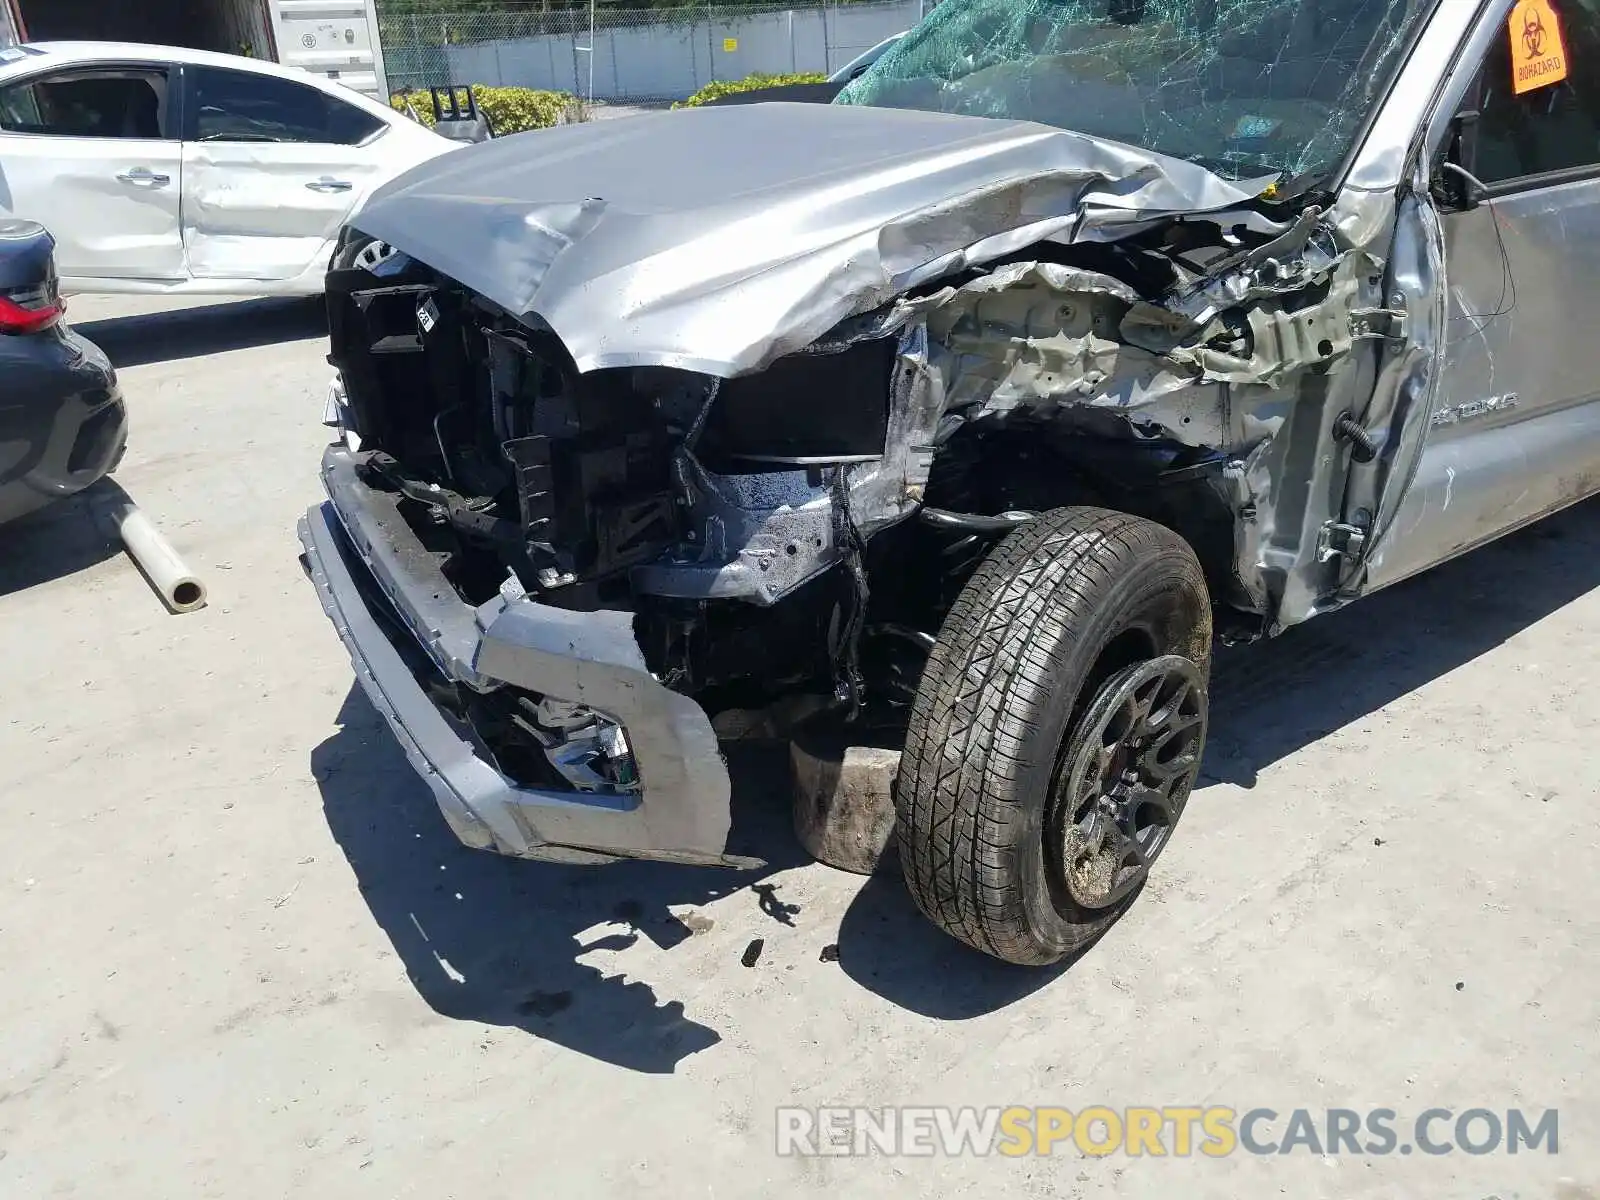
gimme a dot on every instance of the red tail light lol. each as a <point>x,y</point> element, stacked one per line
<point>30,309</point>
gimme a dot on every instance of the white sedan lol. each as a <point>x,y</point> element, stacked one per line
<point>166,170</point>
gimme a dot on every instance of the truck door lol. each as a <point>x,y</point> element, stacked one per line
<point>1515,432</point>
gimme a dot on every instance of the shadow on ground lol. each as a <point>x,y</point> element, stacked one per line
<point>53,543</point>
<point>494,940</point>
<point>491,939</point>
<point>196,332</point>
<point>1268,701</point>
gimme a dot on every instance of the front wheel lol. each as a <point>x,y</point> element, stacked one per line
<point>1056,734</point>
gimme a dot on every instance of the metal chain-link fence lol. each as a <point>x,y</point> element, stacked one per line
<point>629,54</point>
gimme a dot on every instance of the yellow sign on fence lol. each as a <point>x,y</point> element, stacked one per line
<point>729,45</point>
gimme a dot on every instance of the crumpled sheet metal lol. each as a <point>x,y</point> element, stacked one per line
<point>1043,337</point>
<point>1240,363</point>
<point>1282,342</point>
<point>1304,251</point>
<point>1406,394</point>
<point>718,239</point>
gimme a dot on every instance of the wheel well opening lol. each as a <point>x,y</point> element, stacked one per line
<point>1034,465</point>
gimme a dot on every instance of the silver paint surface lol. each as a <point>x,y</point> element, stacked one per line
<point>717,239</point>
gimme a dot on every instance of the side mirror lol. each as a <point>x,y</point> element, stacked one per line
<point>1458,189</point>
<point>1453,184</point>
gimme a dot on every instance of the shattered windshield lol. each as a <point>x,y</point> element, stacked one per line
<point>1244,88</point>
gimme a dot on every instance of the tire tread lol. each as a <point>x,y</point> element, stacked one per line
<point>1002,643</point>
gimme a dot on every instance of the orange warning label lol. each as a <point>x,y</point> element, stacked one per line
<point>1538,52</point>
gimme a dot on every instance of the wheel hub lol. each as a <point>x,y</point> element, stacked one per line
<point>1134,756</point>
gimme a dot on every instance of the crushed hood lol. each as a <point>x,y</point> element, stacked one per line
<point>717,239</point>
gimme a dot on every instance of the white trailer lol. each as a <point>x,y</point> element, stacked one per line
<point>334,38</point>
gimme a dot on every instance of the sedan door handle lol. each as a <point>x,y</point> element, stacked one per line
<point>145,175</point>
<point>330,185</point>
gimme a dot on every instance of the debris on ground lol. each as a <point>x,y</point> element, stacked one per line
<point>696,922</point>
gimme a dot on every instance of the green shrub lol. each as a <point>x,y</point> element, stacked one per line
<point>750,83</point>
<point>509,109</point>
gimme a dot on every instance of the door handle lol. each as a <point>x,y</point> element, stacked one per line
<point>330,185</point>
<point>145,175</point>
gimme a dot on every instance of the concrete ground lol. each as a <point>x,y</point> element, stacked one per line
<point>606,110</point>
<point>244,958</point>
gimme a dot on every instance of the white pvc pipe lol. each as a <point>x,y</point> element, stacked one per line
<point>167,573</point>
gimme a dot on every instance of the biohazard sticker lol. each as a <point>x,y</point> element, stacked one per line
<point>1538,53</point>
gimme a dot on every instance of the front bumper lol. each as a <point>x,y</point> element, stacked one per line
<point>361,553</point>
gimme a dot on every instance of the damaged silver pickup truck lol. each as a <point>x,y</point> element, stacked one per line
<point>974,404</point>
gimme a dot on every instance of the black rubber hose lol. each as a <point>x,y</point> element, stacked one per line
<point>919,637</point>
<point>941,518</point>
<point>1363,449</point>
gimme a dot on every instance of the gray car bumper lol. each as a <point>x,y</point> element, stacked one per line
<point>361,555</point>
